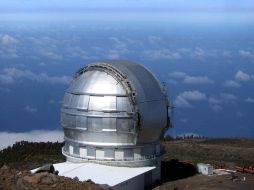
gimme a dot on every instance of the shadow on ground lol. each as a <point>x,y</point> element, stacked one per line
<point>173,170</point>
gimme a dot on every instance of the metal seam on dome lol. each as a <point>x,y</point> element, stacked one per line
<point>94,94</point>
<point>90,113</point>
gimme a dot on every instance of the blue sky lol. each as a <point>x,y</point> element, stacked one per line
<point>203,51</point>
<point>127,10</point>
<point>127,5</point>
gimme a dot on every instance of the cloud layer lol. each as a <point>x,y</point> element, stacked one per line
<point>187,79</point>
<point>239,78</point>
<point>9,138</point>
<point>10,75</point>
<point>184,99</point>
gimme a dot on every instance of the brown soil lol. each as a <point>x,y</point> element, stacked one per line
<point>11,179</point>
<point>203,182</point>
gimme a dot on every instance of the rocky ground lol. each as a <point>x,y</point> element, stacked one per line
<point>11,179</point>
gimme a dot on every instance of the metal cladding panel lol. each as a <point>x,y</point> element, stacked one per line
<point>83,152</point>
<point>96,82</point>
<point>153,120</point>
<point>99,153</point>
<point>109,124</point>
<point>125,125</point>
<point>81,122</point>
<point>91,151</point>
<point>83,102</point>
<point>69,120</point>
<point>99,138</point>
<point>123,104</point>
<point>102,103</point>
<point>67,99</point>
<point>94,124</point>
<point>109,153</point>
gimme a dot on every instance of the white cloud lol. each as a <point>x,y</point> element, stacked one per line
<point>8,49</point>
<point>226,97</point>
<point>183,99</point>
<point>239,114</point>
<point>5,78</point>
<point>250,100</point>
<point>30,109</point>
<point>193,95</point>
<point>78,52</point>
<point>216,107</point>
<point>231,84</point>
<point>181,102</point>
<point>7,40</point>
<point>119,44</point>
<point>217,102</point>
<point>226,53</point>
<point>213,100</point>
<point>113,54</point>
<point>117,50</point>
<point>177,74</point>
<point>246,54</point>
<point>197,80</point>
<point>9,138</point>
<point>187,79</point>
<point>199,53</point>
<point>9,75</point>
<point>161,54</point>
<point>50,54</point>
<point>154,39</point>
<point>242,76</point>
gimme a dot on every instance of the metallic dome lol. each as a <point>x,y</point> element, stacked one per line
<point>114,112</point>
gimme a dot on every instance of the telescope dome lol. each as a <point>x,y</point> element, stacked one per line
<point>114,112</point>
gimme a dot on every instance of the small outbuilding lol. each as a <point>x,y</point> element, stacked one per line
<point>205,169</point>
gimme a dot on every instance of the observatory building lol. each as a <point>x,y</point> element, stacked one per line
<point>114,115</point>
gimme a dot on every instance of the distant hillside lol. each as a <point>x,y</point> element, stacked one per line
<point>228,151</point>
<point>29,155</point>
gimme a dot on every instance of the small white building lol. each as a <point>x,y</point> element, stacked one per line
<point>117,178</point>
<point>205,169</point>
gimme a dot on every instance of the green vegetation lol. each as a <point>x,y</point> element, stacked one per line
<point>29,155</point>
